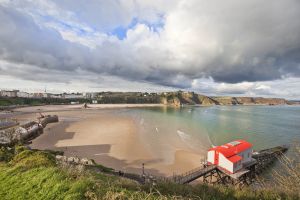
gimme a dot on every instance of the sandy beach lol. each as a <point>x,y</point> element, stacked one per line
<point>110,138</point>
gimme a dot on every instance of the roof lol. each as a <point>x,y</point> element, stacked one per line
<point>232,148</point>
<point>235,158</point>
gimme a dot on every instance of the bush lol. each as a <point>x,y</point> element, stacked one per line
<point>31,159</point>
<point>6,154</point>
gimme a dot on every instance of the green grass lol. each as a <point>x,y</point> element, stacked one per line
<point>40,183</point>
<point>32,174</point>
<point>5,101</point>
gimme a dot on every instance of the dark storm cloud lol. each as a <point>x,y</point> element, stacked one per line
<point>231,42</point>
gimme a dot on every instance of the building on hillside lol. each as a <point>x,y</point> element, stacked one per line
<point>30,95</point>
<point>56,96</point>
<point>9,93</point>
<point>73,96</point>
<point>46,95</point>
<point>90,95</point>
<point>232,156</point>
<point>22,94</point>
<point>38,95</point>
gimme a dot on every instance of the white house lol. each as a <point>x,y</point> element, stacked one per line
<point>90,95</point>
<point>23,94</point>
<point>11,93</point>
<point>231,156</point>
<point>55,96</point>
<point>73,96</point>
<point>46,95</point>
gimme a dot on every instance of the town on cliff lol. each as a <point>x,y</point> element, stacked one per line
<point>176,98</point>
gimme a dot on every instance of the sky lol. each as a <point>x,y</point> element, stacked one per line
<point>232,47</point>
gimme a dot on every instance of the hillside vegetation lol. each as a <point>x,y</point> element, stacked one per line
<point>31,174</point>
<point>6,101</point>
<point>169,98</point>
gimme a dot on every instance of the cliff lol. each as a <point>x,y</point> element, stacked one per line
<point>191,98</point>
<point>169,98</point>
<point>249,101</point>
<point>187,98</point>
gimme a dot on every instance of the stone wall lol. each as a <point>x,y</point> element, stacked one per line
<point>74,160</point>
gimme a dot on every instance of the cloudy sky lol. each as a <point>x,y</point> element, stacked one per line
<point>232,47</point>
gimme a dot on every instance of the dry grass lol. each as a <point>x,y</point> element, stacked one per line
<point>287,178</point>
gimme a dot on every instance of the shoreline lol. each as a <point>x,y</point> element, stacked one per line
<point>53,108</point>
<point>110,135</point>
<point>24,108</point>
<point>111,139</point>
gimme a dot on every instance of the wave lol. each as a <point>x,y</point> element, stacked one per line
<point>212,145</point>
<point>183,135</point>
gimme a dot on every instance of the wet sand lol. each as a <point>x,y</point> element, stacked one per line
<point>109,138</point>
<point>53,108</point>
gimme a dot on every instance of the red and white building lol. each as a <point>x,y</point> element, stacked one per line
<point>231,156</point>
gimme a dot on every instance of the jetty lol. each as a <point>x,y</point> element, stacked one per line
<point>214,174</point>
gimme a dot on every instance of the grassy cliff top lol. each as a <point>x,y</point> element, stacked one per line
<point>29,174</point>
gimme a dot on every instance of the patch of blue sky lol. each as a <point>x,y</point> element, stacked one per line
<point>84,30</point>
<point>121,31</point>
<point>80,30</point>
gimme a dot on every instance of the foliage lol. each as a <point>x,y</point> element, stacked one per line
<point>33,159</point>
<point>104,169</point>
<point>33,174</point>
<point>6,154</point>
<point>287,178</point>
<point>5,101</point>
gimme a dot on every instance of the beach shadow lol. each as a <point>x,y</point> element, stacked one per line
<point>146,161</point>
<point>52,134</point>
<point>100,154</point>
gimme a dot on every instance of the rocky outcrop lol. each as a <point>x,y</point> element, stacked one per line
<point>26,131</point>
<point>186,98</point>
<point>293,102</point>
<point>207,101</point>
<point>249,101</point>
<point>48,119</point>
<point>171,99</point>
<point>270,101</point>
<point>14,135</point>
<point>74,160</point>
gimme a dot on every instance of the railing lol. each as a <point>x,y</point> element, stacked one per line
<point>202,171</point>
<point>193,174</point>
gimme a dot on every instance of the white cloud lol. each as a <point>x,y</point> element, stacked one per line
<point>239,45</point>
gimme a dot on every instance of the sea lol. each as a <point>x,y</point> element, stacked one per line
<point>198,128</point>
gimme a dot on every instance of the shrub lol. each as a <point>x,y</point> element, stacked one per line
<point>6,154</point>
<point>30,159</point>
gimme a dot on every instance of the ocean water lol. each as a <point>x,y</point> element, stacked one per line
<point>165,129</point>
